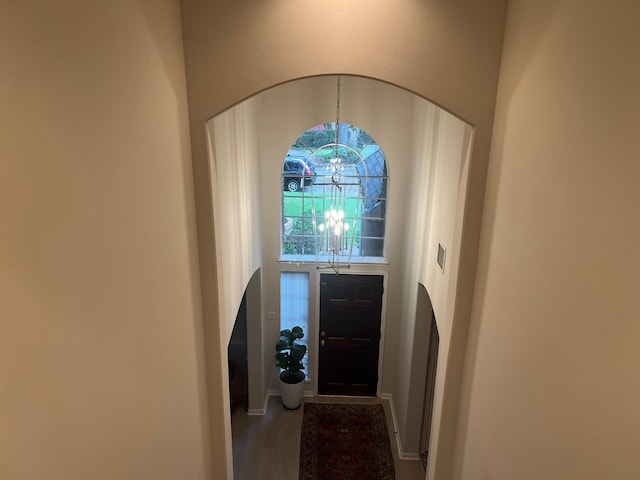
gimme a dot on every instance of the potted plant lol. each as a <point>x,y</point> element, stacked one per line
<point>289,355</point>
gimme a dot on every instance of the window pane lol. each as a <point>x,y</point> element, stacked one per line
<point>294,306</point>
<point>317,166</point>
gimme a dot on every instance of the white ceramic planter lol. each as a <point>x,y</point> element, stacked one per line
<point>291,394</point>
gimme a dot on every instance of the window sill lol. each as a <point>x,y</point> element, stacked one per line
<point>307,260</point>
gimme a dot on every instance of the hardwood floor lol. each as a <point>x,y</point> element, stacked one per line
<point>267,447</point>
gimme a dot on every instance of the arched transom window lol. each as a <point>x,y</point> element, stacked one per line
<point>334,195</point>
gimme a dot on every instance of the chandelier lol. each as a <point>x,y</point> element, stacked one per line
<point>335,211</point>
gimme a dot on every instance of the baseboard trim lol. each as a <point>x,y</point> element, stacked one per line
<point>396,431</point>
<point>271,393</point>
<point>263,410</point>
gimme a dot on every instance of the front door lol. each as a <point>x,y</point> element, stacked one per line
<point>350,316</point>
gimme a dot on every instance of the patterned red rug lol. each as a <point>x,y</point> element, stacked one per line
<point>345,442</point>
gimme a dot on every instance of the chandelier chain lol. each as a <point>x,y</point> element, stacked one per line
<point>337,115</point>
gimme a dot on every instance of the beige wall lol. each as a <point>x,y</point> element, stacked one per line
<point>236,183</point>
<point>448,52</point>
<point>100,363</point>
<point>99,306</point>
<point>384,112</point>
<point>438,173</point>
<point>552,388</point>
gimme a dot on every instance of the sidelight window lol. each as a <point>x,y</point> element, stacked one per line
<point>294,306</point>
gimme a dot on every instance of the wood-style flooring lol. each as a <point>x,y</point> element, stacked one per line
<point>267,447</point>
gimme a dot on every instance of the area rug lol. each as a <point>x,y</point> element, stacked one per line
<point>345,442</point>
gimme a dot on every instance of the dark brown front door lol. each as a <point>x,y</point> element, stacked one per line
<point>350,315</point>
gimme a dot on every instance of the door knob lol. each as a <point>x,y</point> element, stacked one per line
<point>322,334</point>
<point>322,343</point>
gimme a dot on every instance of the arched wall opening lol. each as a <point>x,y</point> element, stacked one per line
<point>422,405</point>
<point>427,150</point>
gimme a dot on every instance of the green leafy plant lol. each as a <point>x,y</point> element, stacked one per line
<point>301,239</point>
<point>289,355</point>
